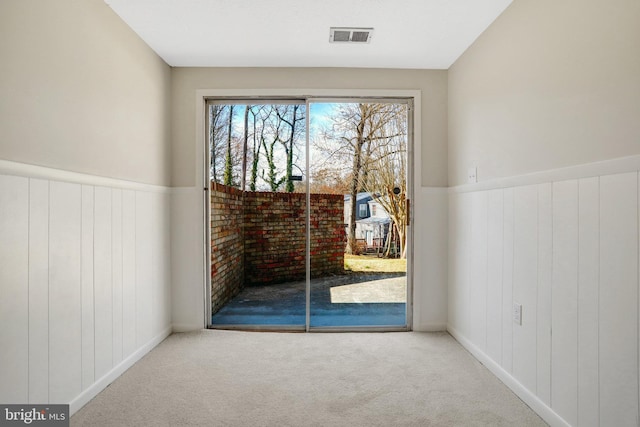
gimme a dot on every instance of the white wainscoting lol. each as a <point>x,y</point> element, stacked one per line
<point>568,252</point>
<point>84,282</point>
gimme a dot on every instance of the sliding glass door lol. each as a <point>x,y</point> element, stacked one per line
<point>358,153</point>
<point>257,163</point>
<point>309,213</point>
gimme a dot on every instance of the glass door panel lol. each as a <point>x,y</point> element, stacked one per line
<point>258,213</point>
<point>358,214</point>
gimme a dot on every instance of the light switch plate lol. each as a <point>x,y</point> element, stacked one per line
<point>472,175</point>
<point>517,313</point>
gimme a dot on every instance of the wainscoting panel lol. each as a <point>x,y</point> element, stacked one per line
<point>588,285</point>
<point>495,252</point>
<point>564,360</point>
<point>38,291</point>
<point>77,260</point>
<point>619,300</point>
<point>88,323</point>
<point>453,270</point>
<point>144,268</point>
<point>543,304</point>
<point>65,301</point>
<point>478,269</point>
<point>128,273</point>
<point>567,251</point>
<point>458,297</point>
<point>103,276</point>
<point>162,257</point>
<point>525,284</point>
<point>116,268</point>
<point>507,280</point>
<point>14,289</point>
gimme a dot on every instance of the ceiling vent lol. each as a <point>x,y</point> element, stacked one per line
<point>350,35</point>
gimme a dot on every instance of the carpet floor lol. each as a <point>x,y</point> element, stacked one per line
<point>235,378</point>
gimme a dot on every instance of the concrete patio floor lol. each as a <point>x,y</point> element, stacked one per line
<point>349,300</point>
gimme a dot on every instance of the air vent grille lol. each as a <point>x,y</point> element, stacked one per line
<point>341,36</point>
<point>360,36</point>
<point>350,35</point>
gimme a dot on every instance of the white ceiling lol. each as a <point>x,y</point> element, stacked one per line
<point>428,34</point>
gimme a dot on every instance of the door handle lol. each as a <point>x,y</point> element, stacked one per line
<point>408,212</point>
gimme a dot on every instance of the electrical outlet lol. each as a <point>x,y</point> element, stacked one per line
<point>517,313</point>
<point>472,175</point>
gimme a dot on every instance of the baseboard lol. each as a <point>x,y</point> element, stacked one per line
<point>541,408</point>
<point>84,397</point>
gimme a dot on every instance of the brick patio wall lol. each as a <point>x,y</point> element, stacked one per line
<point>227,245</point>
<point>259,238</point>
<point>328,234</point>
<point>275,236</point>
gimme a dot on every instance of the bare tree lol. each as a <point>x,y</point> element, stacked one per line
<point>228,163</point>
<point>279,134</point>
<point>256,114</point>
<point>328,181</point>
<point>291,115</point>
<point>387,171</point>
<point>270,138</point>
<point>356,132</point>
<point>217,131</point>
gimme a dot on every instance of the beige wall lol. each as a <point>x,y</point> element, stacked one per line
<point>549,84</point>
<point>80,91</point>
<point>433,86</point>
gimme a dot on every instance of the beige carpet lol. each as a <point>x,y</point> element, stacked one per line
<point>228,378</point>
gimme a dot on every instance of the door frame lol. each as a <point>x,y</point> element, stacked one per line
<point>413,97</point>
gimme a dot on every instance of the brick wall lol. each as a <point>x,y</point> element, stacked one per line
<point>267,244</point>
<point>328,234</point>
<point>275,236</point>
<point>227,245</point>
